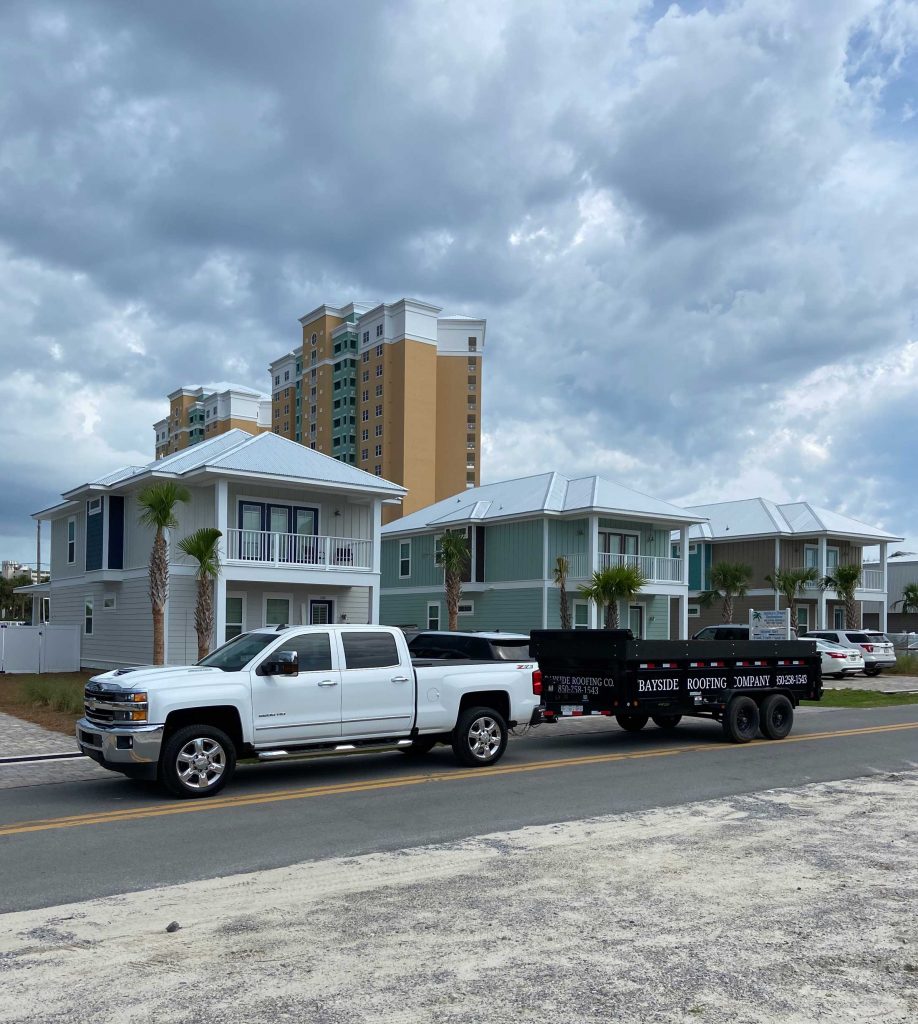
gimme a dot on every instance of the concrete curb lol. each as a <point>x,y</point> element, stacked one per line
<point>33,758</point>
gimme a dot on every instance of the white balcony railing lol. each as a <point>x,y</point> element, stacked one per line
<point>871,579</point>
<point>307,551</point>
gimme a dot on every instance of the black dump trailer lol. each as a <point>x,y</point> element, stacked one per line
<point>750,686</point>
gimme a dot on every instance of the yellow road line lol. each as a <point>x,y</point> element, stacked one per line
<point>345,788</point>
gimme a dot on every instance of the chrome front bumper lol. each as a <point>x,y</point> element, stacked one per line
<point>134,751</point>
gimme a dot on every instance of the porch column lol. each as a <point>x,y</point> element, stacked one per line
<point>221,520</point>
<point>777,570</point>
<point>683,600</point>
<point>373,591</point>
<point>823,572</point>
<point>546,575</point>
<point>373,596</point>
<point>592,566</point>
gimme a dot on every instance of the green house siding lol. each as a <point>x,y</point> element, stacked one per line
<point>424,572</point>
<point>513,551</point>
<point>567,537</point>
<point>508,610</point>
<point>657,608</point>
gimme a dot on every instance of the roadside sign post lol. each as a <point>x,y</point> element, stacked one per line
<point>770,625</point>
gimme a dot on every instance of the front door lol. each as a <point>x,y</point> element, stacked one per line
<point>377,692</point>
<point>636,620</point>
<point>321,612</point>
<point>307,706</point>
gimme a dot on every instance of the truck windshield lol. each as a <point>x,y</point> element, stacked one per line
<point>235,655</point>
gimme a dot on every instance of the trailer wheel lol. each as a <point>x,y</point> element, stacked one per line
<point>667,722</point>
<point>776,717</point>
<point>480,737</point>
<point>632,723</point>
<point>741,720</point>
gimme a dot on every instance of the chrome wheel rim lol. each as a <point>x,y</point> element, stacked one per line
<point>200,763</point>
<point>484,737</point>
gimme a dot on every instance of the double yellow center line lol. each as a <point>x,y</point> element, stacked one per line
<point>344,788</point>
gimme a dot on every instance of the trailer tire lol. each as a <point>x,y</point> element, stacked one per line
<point>632,723</point>
<point>776,716</point>
<point>666,722</point>
<point>741,720</point>
<point>197,761</point>
<point>422,745</point>
<point>480,737</point>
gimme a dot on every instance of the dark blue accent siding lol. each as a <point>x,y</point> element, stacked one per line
<point>116,532</point>
<point>94,535</point>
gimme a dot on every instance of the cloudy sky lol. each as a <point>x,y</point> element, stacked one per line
<point>691,226</point>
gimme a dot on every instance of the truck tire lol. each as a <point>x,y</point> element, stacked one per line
<point>667,722</point>
<point>632,723</point>
<point>197,761</point>
<point>480,737</point>
<point>776,716</point>
<point>872,670</point>
<point>741,720</point>
<point>422,745</point>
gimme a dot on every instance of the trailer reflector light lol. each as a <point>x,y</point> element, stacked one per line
<point>758,663</point>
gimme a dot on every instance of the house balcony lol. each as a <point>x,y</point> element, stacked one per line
<point>299,550</point>
<point>871,579</point>
<point>655,568</point>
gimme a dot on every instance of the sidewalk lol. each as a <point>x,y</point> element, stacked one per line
<point>19,738</point>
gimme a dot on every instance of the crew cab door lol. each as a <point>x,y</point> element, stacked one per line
<point>377,689</point>
<point>302,707</point>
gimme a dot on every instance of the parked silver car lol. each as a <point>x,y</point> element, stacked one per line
<point>875,647</point>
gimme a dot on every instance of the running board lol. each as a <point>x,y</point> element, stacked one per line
<point>340,748</point>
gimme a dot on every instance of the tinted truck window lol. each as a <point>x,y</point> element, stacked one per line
<point>369,650</point>
<point>506,651</point>
<point>313,651</point>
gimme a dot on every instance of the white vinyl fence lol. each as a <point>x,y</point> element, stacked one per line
<point>47,648</point>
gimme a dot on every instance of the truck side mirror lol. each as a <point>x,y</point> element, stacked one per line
<point>283,663</point>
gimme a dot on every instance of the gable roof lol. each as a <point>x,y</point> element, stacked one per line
<point>759,517</point>
<point>239,453</point>
<point>543,494</point>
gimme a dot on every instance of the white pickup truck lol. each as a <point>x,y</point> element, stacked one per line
<point>278,693</point>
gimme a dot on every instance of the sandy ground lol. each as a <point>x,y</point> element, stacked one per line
<point>797,906</point>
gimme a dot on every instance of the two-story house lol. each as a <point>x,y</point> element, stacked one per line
<point>516,529</point>
<point>300,544</point>
<point>769,537</point>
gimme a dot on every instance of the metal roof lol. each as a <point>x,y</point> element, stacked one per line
<point>543,494</point>
<point>758,517</point>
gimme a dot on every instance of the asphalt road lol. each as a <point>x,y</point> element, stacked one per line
<point>69,842</point>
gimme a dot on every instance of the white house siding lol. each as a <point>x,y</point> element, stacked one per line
<point>182,645</point>
<point>59,547</point>
<point>200,511</point>
<point>353,602</point>
<point>138,539</point>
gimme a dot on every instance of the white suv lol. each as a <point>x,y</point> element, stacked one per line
<point>878,652</point>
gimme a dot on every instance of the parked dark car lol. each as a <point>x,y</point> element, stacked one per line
<point>730,631</point>
<point>494,646</point>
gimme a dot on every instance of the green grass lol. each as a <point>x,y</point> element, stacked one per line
<point>862,699</point>
<point>906,665</point>
<point>58,694</point>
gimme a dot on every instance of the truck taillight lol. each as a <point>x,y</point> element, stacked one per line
<point>537,682</point>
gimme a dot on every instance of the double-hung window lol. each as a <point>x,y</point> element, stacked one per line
<point>71,540</point>
<point>404,559</point>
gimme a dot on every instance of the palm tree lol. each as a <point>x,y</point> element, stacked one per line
<point>202,546</point>
<point>560,572</point>
<point>609,586</point>
<point>789,583</point>
<point>454,558</point>
<point>728,581</point>
<point>844,581</point>
<point>157,503</point>
<point>909,599</point>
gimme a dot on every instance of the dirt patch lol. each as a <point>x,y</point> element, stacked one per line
<point>795,906</point>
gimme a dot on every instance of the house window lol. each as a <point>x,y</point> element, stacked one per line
<point>71,540</point>
<point>46,609</point>
<point>364,454</point>
<point>313,340</point>
<point>694,611</point>
<point>378,335</point>
<point>466,608</point>
<point>379,410</point>
<point>838,618</point>
<point>365,396</point>
<point>235,616</point>
<point>379,390</point>
<point>286,375</point>
<point>277,611</point>
<point>378,470</point>
<point>276,380</point>
<point>94,506</point>
<point>364,435</point>
<point>379,370</point>
<point>433,615</point>
<point>581,616</point>
<point>693,549</point>
<point>109,602</point>
<point>831,561</point>
<point>365,358</point>
<point>365,376</point>
<point>404,559</point>
<point>811,556</point>
<point>379,430</point>
<point>365,415</point>
<point>87,616</point>
<point>803,619</point>
<point>473,344</point>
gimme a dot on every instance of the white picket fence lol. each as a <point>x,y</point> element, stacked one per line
<point>47,648</point>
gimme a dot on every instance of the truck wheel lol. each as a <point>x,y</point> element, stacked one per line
<point>872,670</point>
<point>197,760</point>
<point>480,737</point>
<point>776,716</point>
<point>667,722</point>
<point>422,745</point>
<point>632,723</point>
<point>741,720</point>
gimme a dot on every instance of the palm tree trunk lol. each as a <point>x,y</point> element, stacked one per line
<point>564,606</point>
<point>727,615</point>
<point>204,616</point>
<point>851,615</point>
<point>612,615</point>
<point>453,594</point>
<point>159,592</point>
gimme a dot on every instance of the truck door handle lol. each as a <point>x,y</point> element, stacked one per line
<point>328,682</point>
<point>400,679</point>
